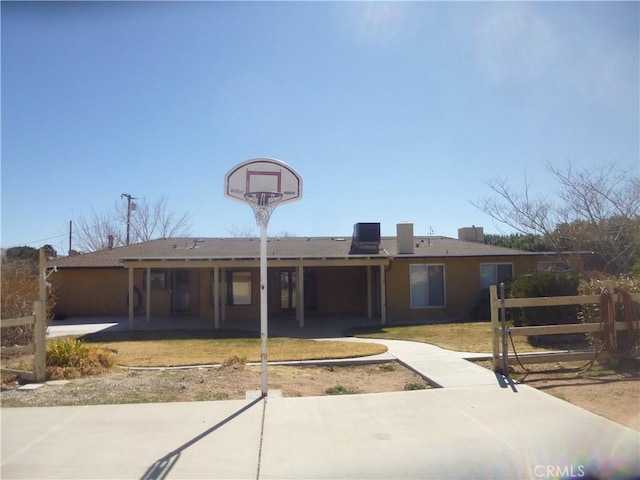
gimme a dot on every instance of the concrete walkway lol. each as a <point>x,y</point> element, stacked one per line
<point>476,426</point>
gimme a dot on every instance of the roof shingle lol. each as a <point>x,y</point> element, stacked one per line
<point>285,247</point>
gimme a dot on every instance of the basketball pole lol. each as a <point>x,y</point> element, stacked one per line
<point>263,305</point>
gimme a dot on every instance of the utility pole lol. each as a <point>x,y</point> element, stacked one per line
<point>130,206</point>
<point>70,233</point>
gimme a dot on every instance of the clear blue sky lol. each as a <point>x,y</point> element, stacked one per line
<point>389,111</point>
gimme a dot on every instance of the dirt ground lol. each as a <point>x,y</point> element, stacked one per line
<point>216,383</point>
<point>611,394</point>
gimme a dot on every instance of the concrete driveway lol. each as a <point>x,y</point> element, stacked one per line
<point>476,426</point>
<point>457,433</point>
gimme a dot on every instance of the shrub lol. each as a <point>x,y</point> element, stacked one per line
<point>19,290</point>
<point>235,362</point>
<point>545,284</point>
<point>67,353</point>
<point>414,386</point>
<point>72,358</point>
<point>339,390</point>
<point>594,286</point>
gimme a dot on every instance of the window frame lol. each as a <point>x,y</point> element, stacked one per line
<point>161,274</point>
<point>230,294</point>
<point>495,265</point>
<point>428,304</point>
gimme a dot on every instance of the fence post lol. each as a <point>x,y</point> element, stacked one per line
<point>40,342</point>
<point>40,327</point>
<point>493,297</point>
<point>503,321</point>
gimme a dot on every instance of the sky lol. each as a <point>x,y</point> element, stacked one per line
<point>390,111</point>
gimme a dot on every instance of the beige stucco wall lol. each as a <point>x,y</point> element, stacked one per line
<point>462,285</point>
<point>340,290</point>
<point>90,292</point>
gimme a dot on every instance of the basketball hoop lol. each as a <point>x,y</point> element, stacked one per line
<point>263,204</point>
<point>263,183</point>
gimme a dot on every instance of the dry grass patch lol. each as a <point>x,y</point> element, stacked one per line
<point>462,337</point>
<point>156,351</point>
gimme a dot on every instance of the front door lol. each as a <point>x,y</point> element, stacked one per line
<point>287,290</point>
<point>180,291</point>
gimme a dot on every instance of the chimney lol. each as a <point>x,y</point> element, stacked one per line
<point>110,241</point>
<point>471,234</point>
<point>405,237</point>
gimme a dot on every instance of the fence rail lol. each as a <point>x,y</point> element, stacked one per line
<point>38,345</point>
<point>500,331</point>
<point>17,322</point>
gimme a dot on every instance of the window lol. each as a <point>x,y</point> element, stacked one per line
<point>494,274</point>
<point>238,288</point>
<point>427,285</point>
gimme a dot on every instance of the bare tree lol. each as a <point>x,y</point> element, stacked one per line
<point>147,222</point>
<point>241,232</point>
<point>597,209</point>
<point>157,221</point>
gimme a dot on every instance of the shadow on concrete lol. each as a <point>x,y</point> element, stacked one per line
<point>506,382</point>
<point>163,466</point>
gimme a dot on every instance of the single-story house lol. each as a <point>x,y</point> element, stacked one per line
<point>386,279</point>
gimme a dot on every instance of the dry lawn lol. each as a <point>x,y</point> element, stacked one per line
<point>461,337</point>
<point>169,353</point>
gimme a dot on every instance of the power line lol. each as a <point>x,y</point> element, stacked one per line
<point>43,240</point>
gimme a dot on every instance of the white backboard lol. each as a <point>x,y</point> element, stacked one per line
<point>263,175</point>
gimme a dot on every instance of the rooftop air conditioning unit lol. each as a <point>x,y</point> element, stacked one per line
<point>366,238</point>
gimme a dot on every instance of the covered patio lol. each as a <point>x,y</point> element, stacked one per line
<point>316,326</point>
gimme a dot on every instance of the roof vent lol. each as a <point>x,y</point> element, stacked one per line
<point>366,238</point>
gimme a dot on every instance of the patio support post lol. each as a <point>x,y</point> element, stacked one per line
<point>223,303</point>
<point>383,295</point>
<point>131,298</point>
<point>300,295</point>
<point>369,294</point>
<point>216,297</point>
<point>147,307</point>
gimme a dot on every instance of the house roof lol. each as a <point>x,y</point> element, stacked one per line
<point>282,248</point>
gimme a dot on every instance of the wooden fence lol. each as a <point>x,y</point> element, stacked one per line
<point>38,346</point>
<point>500,331</point>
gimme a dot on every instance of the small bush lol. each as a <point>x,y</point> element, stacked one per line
<point>545,284</point>
<point>594,286</point>
<point>67,353</point>
<point>414,386</point>
<point>19,289</point>
<point>235,362</point>
<point>339,390</point>
<point>71,358</point>
<point>387,367</point>
<point>481,311</point>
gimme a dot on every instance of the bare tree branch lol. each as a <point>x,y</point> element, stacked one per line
<point>597,209</point>
<point>148,222</point>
